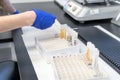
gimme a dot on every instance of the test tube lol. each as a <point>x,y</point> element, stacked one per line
<point>88,53</point>
<point>62,33</point>
<point>69,37</point>
<point>72,36</point>
<point>96,66</point>
<point>75,38</point>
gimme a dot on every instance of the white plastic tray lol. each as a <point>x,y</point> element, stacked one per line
<point>55,46</point>
<point>74,67</point>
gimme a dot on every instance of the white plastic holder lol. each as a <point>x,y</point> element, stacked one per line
<point>48,55</point>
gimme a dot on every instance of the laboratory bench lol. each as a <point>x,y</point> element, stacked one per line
<point>25,66</point>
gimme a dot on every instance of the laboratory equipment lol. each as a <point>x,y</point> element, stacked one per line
<point>89,52</point>
<point>85,10</point>
<point>93,1</point>
<point>116,20</point>
<point>55,46</point>
<point>61,2</point>
<point>54,42</point>
<point>74,67</point>
<point>62,33</point>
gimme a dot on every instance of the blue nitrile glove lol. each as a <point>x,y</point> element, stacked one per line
<point>16,12</point>
<point>43,19</point>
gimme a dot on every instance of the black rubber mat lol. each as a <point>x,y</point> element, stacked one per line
<point>108,46</point>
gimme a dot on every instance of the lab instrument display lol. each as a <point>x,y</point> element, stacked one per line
<point>85,10</point>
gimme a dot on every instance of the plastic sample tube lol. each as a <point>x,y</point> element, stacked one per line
<point>62,33</point>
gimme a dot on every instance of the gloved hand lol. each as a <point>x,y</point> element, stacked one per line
<point>16,12</point>
<point>43,19</point>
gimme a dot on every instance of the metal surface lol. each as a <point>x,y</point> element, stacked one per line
<point>89,12</point>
